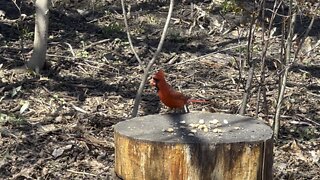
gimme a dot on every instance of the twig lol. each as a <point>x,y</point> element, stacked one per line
<point>78,109</point>
<point>97,141</point>
<point>251,63</point>
<point>15,3</point>
<point>71,49</point>
<point>128,34</point>
<point>82,173</point>
<point>96,43</point>
<point>313,94</point>
<point>276,13</point>
<point>305,34</point>
<point>311,49</point>
<point>19,24</point>
<point>262,86</point>
<point>59,56</point>
<point>307,119</point>
<point>240,63</point>
<point>89,65</point>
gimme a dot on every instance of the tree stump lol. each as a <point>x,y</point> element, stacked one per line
<point>195,146</point>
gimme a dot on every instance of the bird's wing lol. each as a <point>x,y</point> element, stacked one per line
<point>177,95</point>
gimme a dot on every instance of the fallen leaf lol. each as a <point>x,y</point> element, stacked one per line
<point>59,151</point>
<point>24,107</point>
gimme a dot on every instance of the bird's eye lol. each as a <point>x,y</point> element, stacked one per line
<point>156,80</point>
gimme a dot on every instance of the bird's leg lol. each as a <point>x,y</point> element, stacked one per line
<point>179,110</point>
<point>171,110</point>
<point>176,110</point>
<point>186,109</point>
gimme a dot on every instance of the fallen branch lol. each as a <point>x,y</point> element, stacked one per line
<point>82,173</point>
<point>308,119</point>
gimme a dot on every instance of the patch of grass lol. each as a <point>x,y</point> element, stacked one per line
<point>83,54</point>
<point>231,6</point>
<point>306,132</point>
<point>112,28</point>
<point>11,119</point>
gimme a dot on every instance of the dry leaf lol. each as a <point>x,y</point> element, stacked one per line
<point>24,107</point>
<point>59,151</point>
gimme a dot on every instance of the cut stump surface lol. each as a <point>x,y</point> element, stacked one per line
<point>193,146</point>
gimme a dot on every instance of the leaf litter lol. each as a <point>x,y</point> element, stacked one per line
<point>64,126</point>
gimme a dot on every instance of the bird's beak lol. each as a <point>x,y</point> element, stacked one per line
<point>152,82</point>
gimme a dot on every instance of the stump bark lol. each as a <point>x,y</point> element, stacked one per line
<point>195,146</point>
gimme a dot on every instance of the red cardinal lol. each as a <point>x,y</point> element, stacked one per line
<point>167,94</point>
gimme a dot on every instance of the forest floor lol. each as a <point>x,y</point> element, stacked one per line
<point>59,125</point>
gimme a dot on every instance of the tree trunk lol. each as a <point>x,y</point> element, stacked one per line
<point>38,57</point>
<point>193,146</point>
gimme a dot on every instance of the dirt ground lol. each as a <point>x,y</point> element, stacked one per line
<point>59,125</point>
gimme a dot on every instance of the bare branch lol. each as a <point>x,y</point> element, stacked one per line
<point>262,86</point>
<point>250,62</point>
<point>276,123</point>
<point>146,70</point>
<point>128,34</point>
<point>288,63</point>
<point>306,33</point>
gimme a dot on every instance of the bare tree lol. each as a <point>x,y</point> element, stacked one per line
<point>288,60</point>
<point>266,41</point>
<point>249,59</point>
<point>152,61</point>
<point>283,82</point>
<point>38,57</point>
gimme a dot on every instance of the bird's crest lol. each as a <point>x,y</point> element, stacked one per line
<point>159,75</point>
